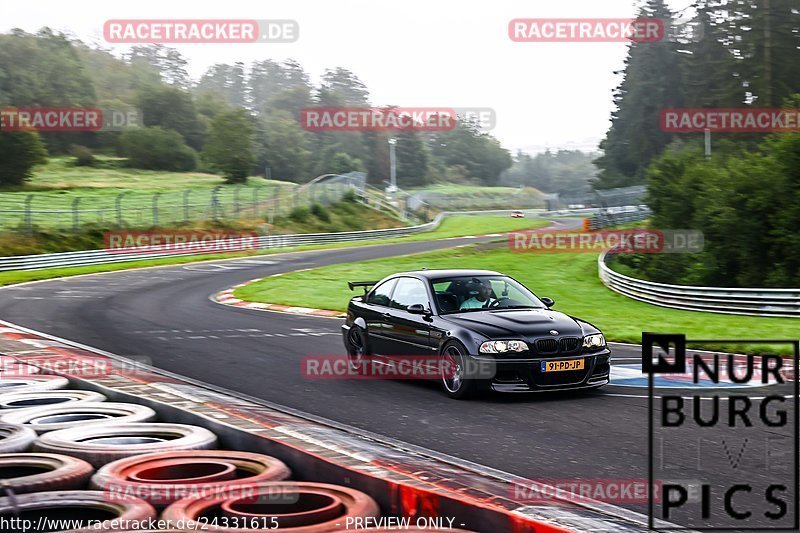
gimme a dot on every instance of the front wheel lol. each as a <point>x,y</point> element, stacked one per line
<point>453,372</point>
<point>356,348</point>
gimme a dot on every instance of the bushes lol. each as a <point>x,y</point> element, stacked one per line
<point>157,149</point>
<point>320,212</point>
<point>83,156</point>
<point>299,214</point>
<point>20,151</point>
<point>746,204</point>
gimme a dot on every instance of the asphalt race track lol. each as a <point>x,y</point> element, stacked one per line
<point>165,314</point>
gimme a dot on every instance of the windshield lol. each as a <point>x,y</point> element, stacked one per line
<point>464,294</point>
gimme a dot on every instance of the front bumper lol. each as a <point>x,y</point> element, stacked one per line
<point>526,375</point>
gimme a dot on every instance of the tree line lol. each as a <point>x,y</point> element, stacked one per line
<point>237,119</point>
<point>729,54</point>
<point>745,195</point>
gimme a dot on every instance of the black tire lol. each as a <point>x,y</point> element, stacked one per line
<point>37,472</point>
<point>15,438</point>
<point>357,348</point>
<point>100,444</point>
<point>455,383</point>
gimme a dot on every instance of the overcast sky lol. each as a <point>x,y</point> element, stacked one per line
<point>417,53</point>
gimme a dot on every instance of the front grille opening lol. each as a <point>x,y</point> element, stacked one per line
<point>565,345</point>
<point>547,346</point>
<point>569,344</point>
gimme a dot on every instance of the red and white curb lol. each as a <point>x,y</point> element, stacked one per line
<point>226,297</point>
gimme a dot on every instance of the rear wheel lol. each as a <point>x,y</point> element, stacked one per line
<point>454,375</point>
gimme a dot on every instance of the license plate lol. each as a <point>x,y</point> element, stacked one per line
<point>564,365</point>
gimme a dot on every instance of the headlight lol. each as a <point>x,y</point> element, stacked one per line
<point>503,346</point>
<point>593,342</point>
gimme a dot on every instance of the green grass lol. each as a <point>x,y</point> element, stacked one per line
<point>571,279</point>
<point>59,174</point>
<point>56,185</point>
<point>457,196</point>
<point>462,225</point>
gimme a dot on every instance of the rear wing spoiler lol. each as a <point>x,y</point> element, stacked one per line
<point>365,284</point>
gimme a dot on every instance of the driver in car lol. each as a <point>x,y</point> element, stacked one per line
<point>482,299</point>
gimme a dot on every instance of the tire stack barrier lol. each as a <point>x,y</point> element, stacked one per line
<point>180,475</point>
<point>335,474</point>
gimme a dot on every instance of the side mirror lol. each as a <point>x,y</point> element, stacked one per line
<point>417,309</point>
<point>549,302</point>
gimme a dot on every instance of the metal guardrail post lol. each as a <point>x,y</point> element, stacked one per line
<point>255,201</point>
<point>275,204</point>
<point>76,222</point>
<point>28,213</point>
<point>215,202</point>
<point>236,203</point>
<point>155,208</point>
<point>118,206</point>
<point>186,195</point>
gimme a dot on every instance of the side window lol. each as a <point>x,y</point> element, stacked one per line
<point>381,295</point>
<point>409,291</point>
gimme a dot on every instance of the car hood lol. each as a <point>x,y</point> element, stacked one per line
<point>527,323</point>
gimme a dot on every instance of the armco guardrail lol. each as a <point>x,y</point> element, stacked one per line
<point>758,302</point>
<point>265,242</point>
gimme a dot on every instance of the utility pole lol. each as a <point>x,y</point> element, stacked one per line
<point>392,166</point>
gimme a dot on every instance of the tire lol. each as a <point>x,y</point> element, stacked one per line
<point>43,419</point>
<point>308,508</point>
<point>36,472</point>
<point>24,400</point>
<point>78,505</point>
<point>38,383</point>
<point>15,438</point>
<point>163,478</point>
<point>454,357</point>
<point>100,445</point>
<point>357,349</point>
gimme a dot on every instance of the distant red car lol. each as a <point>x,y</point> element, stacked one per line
<point>517,214</point>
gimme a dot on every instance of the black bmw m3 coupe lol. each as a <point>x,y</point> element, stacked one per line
<point>485,329</point>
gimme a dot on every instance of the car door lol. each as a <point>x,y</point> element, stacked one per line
<point>408,333</point>
<point>376,313</point>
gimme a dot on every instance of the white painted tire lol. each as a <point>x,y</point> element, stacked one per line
<point>38,383</point>
<point>51,418</point>
<point>100,444</point>
<point>15,438</point>
<point>26,400</point>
